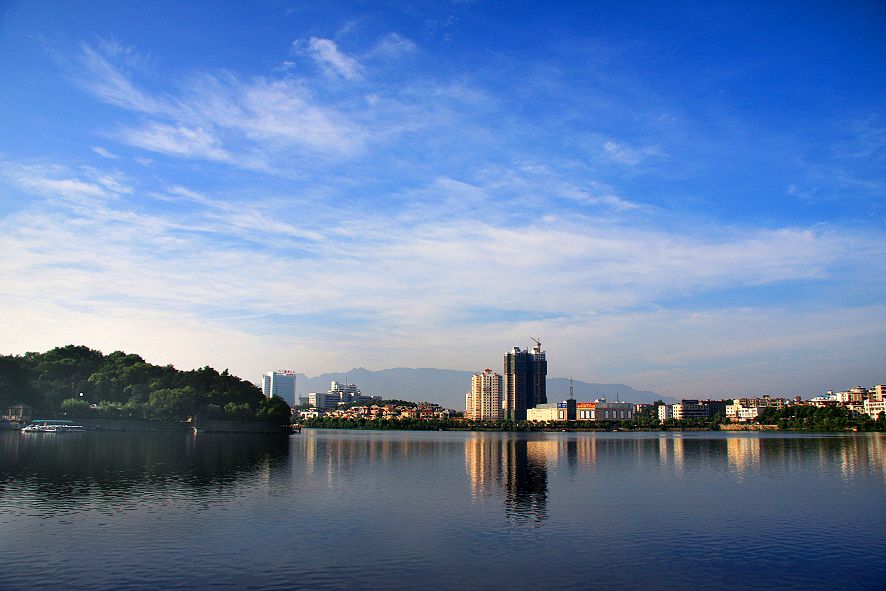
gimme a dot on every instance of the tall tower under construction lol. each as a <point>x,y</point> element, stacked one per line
<point>525,374</point>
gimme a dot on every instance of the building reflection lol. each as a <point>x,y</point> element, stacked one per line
<point>743,453</point>
<point>515,466</point>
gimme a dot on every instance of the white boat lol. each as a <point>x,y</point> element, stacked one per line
<point>53,426</point>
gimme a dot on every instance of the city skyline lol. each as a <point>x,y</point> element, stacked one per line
<point>685,198</point>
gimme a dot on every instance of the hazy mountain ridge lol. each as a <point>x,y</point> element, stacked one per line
<point>448,386</point>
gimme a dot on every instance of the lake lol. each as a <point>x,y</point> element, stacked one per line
<point>406,510</point>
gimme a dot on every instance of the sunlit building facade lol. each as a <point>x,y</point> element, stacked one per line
<point>484,402</point>
<point>280,383</point>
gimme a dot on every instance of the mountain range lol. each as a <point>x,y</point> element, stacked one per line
<point>448,386</point>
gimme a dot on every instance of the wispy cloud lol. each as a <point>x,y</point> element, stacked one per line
<point>56,181</point>
<point>329,57</point>
<point>628,155</point>
<point>104,152</point>
<point>219,117</point>
<point>393,45</point>
<point>113,85</point>
<point>177,140</point>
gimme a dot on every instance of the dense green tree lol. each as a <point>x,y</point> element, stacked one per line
<point>172,403</point>
<point>75,407</point>
<point>274,411</point>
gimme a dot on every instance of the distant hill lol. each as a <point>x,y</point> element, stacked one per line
<point>448,386</point>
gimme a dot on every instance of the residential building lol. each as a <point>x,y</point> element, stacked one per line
<point>873,408</point>
<point>525,378</point>
<point>665,412</point>
<point>484,402</point>
<point>875,393</point>
<point>856,394</point>
<point>748,409</point>
<point>280,383</point>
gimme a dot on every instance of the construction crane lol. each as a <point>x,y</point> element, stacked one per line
<point>537,344</point>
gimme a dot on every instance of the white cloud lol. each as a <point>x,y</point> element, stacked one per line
<point>262,269</point>
<point>330,58</point>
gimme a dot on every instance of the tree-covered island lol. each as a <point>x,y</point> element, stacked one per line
<point>76,381</point>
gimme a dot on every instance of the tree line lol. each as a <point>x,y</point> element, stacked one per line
<point>77,381</point>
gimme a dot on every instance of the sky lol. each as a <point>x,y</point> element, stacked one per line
<point>686,197</point>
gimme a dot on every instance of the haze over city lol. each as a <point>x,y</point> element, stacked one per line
<point>683,197</point>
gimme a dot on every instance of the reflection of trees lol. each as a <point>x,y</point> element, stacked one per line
<point>88,467</point>
<point>515,465</point>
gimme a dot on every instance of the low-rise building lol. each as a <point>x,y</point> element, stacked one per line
<point>323,400</point>
<point>21,413</point>
<point>554,411</point>
<point>698,409</point>
<point>665,412</point>
<point>601,410</point>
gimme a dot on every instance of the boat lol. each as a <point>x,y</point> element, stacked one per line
<point>53,426</point>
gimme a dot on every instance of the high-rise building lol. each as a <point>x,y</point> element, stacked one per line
<point>525,374</point>
<point>484,400</point>
<point>279,383</point>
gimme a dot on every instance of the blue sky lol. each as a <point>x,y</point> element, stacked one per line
<point>684,197</point>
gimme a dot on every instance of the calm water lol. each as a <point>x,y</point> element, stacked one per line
<point>343,509</point>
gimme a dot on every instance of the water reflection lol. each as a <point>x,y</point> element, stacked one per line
<point>516,466</point>
<point>91,468</point>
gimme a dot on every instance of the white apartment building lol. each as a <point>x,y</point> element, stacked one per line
<point>484,401</point>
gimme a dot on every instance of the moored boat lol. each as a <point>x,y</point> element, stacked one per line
<point>53,426</point>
